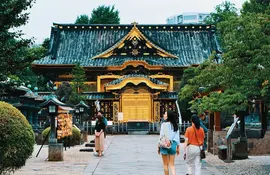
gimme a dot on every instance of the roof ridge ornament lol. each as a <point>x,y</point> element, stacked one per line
<point>132,38</point>
<point>134,23</point>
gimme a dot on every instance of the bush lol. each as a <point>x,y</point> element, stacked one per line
<point>16,138</point>
<point>74,139</point>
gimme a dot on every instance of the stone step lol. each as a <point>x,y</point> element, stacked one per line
<point>87,150</point>
<point>89,145</point>
<point>138,132</point>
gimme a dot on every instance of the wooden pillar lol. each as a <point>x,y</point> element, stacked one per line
<point>217,121</point>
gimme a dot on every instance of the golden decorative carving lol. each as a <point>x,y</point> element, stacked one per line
<point>136,81</point>
<point>157,111</point>
<point>135,63</point>
<point>115,111</point>
<point>135,52</point>
<point>170,77</point>
<point>134,33</point>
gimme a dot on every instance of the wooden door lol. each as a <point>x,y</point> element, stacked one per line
<point>136,107</point>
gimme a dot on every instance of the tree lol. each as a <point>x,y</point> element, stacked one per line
<point>13,47</point>
<point>255,6</point>
<point>26,75</point>
<point>82,19</point>
<point>46,44</point>
<point>78,86</point>
<point>64,91</point>
<point>105,15</point>
<point>244,72</point>
<point>16,137</point>
<point>223,12</point>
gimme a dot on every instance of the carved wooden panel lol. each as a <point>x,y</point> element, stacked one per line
<point>156,111</point>
<point>115,111</point>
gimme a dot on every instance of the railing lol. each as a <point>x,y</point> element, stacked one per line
<point>184,126</point>
<point>122,127</point>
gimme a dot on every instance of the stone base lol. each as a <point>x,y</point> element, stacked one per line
<point>90,145</point>
<point>138,133</point>
<point>239,149</point>
<point>56,152</point>
<point>87,150</point>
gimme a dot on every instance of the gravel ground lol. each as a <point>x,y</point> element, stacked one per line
<point>254,165</point>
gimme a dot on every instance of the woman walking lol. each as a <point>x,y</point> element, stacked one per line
<point>193,145</point>
<point>169,132</point>
<point>99,135</point>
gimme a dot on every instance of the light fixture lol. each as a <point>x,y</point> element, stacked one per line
<point>81,109</point>
<point>52,109</point>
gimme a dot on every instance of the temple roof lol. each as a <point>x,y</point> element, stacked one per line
<point>175,45</point>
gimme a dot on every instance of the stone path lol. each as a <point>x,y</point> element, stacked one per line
<point>124,154</point>
<point>134,155</point>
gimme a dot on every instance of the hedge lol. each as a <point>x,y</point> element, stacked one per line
<point>75,138</point>
<point>16,138</point>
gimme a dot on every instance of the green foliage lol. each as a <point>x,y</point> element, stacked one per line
<point>46,44</point>
<point>82,19</point>
<point>105,15</point>
<point>255,6</point>
<point>26,75</point>
<point>74,139</point>
<point>78,84</point>
<point>64,91</point>
<point>16,137</point>
<point>223,12</point>
<point>12,47</point>
<point>244,72</point>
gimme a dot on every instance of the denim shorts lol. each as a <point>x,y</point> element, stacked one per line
<point>170,151</point>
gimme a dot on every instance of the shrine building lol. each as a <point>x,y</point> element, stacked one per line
<point>134,69</point>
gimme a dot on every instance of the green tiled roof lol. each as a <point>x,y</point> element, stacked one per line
<point>119,80</point>
<point>71,44</point>
<point>98,95</point>
<point>168,95</point>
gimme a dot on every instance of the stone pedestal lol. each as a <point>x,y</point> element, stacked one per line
<point>239,149</point>
<point>85,136</point>
<point>56,152</point>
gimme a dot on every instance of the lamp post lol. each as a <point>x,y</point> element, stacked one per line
<point>55,149</point>
<point>82,107</point>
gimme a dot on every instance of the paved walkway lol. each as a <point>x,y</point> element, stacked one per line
<point>124,154</point>
<point>134,155</point>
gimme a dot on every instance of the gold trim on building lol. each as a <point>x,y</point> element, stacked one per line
<point>135,63</point>
<point>137,81</point>
<point>134,33</point>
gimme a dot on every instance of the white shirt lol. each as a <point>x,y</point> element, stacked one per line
<point>167,129</point>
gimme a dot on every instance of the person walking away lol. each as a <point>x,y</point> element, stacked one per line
<point>99,135</point>
<point>169,129</point>
<point>202,124</point>
<point>193,144</point>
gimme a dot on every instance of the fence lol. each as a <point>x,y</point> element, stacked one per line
<point>122,127</point>
<point>184,126</point>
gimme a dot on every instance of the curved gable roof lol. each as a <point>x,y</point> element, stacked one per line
<point>71,44</point>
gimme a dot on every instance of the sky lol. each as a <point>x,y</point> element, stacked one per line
<point>45,12</point>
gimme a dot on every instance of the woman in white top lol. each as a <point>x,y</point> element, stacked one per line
<point>169,128</point>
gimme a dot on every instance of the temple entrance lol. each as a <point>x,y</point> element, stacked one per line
<point>137,107</point>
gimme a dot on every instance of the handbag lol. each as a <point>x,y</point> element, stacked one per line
<point>164,140</point>
<point>202,152</point>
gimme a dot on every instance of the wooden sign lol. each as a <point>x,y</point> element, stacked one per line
<point>64,125</point>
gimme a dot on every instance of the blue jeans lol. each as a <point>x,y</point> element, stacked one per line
<point>170,151</point>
